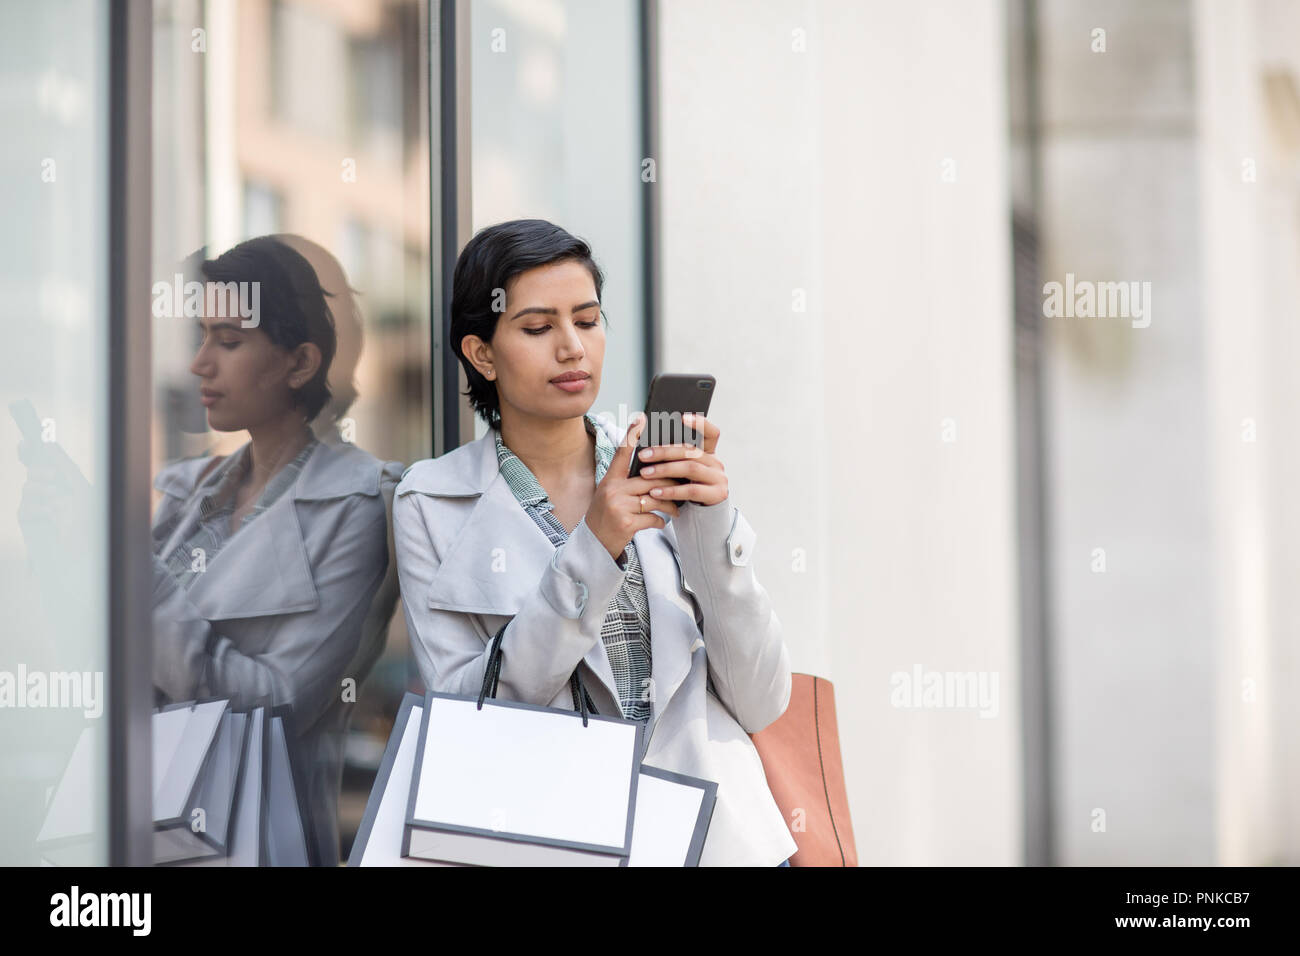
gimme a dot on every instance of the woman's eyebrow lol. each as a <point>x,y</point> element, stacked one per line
<point>550,311</point>
<point>221,326</point>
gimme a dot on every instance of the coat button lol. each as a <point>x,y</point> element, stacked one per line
<point>739,550</point>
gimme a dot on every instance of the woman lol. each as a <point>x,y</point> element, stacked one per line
<point>537,525</point>
<point>267,562</point>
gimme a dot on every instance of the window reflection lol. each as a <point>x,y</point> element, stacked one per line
<point>301,123</point>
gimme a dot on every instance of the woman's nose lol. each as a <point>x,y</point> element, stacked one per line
<point>201,364</point>
<point>570,343</point>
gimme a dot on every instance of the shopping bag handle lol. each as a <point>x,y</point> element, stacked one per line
<point>492,676</point>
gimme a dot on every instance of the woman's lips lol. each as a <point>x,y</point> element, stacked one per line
<point>208,399</point>
<point>576,385</point>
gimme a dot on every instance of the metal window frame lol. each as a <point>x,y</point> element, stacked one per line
<point>452,219</point>
<point>650,222</point>
<point>1033,482</point>
<point>130,396</point>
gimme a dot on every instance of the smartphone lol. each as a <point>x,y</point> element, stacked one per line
<point>672,395</point>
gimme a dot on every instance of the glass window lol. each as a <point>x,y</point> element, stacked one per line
<point>557,135</point>
<point>53,380</point>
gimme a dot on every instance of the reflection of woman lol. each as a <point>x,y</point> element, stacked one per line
<point>266,562</point>
<point>536,525</point>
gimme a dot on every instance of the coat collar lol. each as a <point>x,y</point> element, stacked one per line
<point>264,570</point>
<point>498,526</point>
<point>335,469</point>
<point>472,468</point>
<point>466,579</point>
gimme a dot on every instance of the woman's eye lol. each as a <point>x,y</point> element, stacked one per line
<point>542,328</point>
<point>229,345</point>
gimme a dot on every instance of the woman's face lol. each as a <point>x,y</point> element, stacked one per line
<point>245,379</point>
<point>550,328</point>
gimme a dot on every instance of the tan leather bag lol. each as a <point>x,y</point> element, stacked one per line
<point>800,751</point>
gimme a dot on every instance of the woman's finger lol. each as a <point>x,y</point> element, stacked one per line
<point>706,428</point>
<point>621,463</point>
<point>648,520</point>
<point>649,503</point>
<point>694,470</point>
<point>705,494</point>
<point>642,486</point>
<point>682,451</point>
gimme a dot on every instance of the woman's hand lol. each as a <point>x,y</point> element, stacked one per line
<point>56,497</point>
<point>622,506</point>
<point>700,465</point>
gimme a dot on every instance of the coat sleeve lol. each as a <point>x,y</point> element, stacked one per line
<point>307,653</point>
<point>543,643</point>
<point>374,630</point>
<point>743,642</point>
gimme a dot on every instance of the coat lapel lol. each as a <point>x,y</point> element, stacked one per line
<point>262,570</point>
<point>489,569</point>
<point>497,559</point>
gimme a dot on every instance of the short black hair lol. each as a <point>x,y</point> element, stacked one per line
<point>292,306</point>
<point>488,262</point>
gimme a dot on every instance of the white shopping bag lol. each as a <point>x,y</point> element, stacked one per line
<point>503,783</point>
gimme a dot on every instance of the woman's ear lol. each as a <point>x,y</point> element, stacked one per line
<point>479,354</point>
<point>305,363</point>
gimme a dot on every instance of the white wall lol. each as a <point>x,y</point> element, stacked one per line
<point>823,171</point>
<point>1249,116</point>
